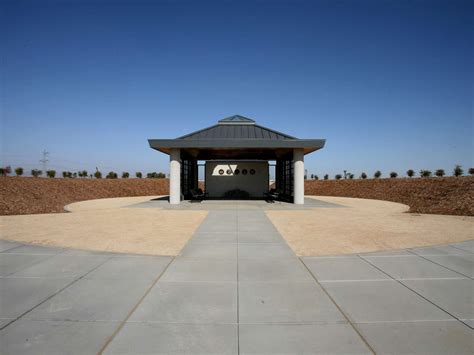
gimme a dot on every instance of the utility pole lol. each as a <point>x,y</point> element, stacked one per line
<point>44,161</point>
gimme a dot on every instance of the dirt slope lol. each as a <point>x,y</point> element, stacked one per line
<point>450,195</point>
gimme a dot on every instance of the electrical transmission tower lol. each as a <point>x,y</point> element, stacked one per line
<point>44,161</point>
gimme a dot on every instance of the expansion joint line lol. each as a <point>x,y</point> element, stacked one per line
<point>340,309</point>
<point>134,308</point>
<point>412,290</point>
<point>57,292</point>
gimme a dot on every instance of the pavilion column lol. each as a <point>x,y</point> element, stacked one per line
<point>298,178</point>
<point>175,176</point>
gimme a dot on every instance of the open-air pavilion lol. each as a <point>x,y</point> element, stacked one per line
<point>237,152</point>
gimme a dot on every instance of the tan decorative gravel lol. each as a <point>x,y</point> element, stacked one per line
<point>365,226</point>
<point>125,230</point>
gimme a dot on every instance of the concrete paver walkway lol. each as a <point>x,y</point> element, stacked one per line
<point>236,288</point>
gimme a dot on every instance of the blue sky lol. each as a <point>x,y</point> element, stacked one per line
<point>389,84</point>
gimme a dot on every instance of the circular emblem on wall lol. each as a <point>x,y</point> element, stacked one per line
<point>229,172</point>
<point>244,172</point>
<point>221,171</point>
<point>236,172</point>
<point>252,171</point>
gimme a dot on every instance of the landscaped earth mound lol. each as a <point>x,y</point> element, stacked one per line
<point>450,195</point>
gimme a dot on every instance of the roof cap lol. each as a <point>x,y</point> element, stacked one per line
<point>236,119</point>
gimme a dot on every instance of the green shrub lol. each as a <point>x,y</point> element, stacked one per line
<point>138,174</point>
<point>393,174</point>
<point>326,177</point>
<point>237,194</point>
<point>458,171</point>
<point>471,171</point>
<point>439,173</point>
<point>125,175</point>
<point>425,173</point>
<point>36,172</point>
<point>338,176</point>
<point>98,175</point>
<point>19,171</point>
<point>111,175</point>
<point>410,173</point>
<point>363,176</point>
<point>51,173</point>
<point>377,174</point>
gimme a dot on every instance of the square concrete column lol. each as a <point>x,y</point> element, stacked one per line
<point>175,176</point>
<point>298,177</point>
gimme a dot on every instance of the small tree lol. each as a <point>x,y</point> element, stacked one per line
<point>36,172</point>
<point>138,175</point>
<point>316,177</point>
<point>111,175</point>
<point>19,171</point>
<point>125,175</point>
<point>51,173</point>
<point>458,171</point>
<point>393,174</point>
<point>326,177</point>
<point>377,174</point>
<point>98,175</point>
<point>338,176</point>
<point>83,173</point>
<point>351,176</point>
<point>160,175</point>
<point>66,174</point>
<point>74,175</point>
<point>471,171</point>
<point>5,171</point>
<point>363,176</point>
<point>410,173</point>
<point>312,176</point>
<point>425,173</point>
<point>439,173</point>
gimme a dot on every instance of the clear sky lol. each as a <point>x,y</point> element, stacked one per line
<point>389,84</point>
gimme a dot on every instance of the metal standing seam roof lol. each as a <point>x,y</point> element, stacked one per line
<point>236,132</point>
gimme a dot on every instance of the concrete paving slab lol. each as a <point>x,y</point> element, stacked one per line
<point>217,227</point>
<point>34,250</point>
<point>11,263</point>
<point>371,301</point>
<point>211,250</point>
<point>340,269</point>
<point>411,267</point>
<point>388,253</point>
<point>418,337</point>
<point>185,269</point>
<point>7,245</point>
<point>63,266</point>
<point>264,250</point>
<point>131,267</point>
<point>46,337</point>
<point>285,303</point>
<point>93,300</point>
<point>260,237</point>
<point>454,296</point>
<point>468,246</point>
<point>439,250</point>
<point>189,302</point>
<point>463,264</point>
<point>300,339</point>
<point>273,270</point>
<point>256,227</point>
<point>154,338</point>
<point>19,295</point>
<point>219,237</point>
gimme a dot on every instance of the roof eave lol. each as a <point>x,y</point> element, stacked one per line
<point>309,145</point>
